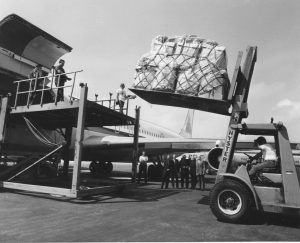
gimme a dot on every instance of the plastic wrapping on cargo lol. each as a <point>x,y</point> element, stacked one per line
<point>165,76</point>
<point>144,77</point>
<point>214,84</point>
<point>186,65</point>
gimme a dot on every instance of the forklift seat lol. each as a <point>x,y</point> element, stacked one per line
<point>273,169</point>
<point>275,178</point>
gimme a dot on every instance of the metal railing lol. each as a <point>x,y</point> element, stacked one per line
<point>40,84</point>
<point>33,86</point>
<point>112,104</point>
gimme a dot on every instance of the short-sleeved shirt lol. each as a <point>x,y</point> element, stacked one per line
<point>200,167</point>
<point>268,152</point>
<point>122,94</point>
<point>143,158</point>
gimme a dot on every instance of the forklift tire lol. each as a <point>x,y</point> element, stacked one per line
<point>230,201</point>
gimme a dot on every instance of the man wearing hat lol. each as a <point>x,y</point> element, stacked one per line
<point>60,79</point>
<point>269,157</point>
<point>35,82</point>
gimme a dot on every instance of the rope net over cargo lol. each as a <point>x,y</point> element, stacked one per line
<point>186,65</point>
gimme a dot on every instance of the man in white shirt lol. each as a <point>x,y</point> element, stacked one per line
<point>200,171</point>
<point>121,97</point>
<point>143,167</point>
<point>269,157</point>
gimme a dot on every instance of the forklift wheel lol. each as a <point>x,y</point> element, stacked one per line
<point>230,201</point>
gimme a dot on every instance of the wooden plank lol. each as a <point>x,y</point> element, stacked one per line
<point>37,188</point>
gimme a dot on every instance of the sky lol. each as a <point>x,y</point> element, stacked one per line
<point>108,38</point>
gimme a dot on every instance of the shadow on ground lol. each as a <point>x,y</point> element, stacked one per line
<point>138,194</point>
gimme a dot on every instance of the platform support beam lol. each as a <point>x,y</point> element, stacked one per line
<point>135,144</point>
<point>66,153</point>
<point>79,139</point>
<point>4,104</point>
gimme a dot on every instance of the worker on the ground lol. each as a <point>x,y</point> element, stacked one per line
<point>60,79</point>
<point>168,167</point>
<point>193,172</point>
<point>200,171</point>
<point>143,167</point>
<point>175,172</point>
<point>184,172</point>
<point>121,97</point>
<point>269,157</point>
<point>35,82</point>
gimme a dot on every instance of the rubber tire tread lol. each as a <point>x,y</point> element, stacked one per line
<point>239,188</point>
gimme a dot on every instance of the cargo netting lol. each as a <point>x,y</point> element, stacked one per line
<point>185,65</point>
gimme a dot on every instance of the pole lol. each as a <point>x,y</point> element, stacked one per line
<point>66,153</point>
<point>135,143</point>
<point>4,105</point>
<point>110,95</point>
<point>79,139</point>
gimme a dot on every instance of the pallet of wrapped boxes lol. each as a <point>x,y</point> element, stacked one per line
<point>184,65</point>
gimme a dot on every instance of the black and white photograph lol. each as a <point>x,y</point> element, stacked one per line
<point>149,121</point>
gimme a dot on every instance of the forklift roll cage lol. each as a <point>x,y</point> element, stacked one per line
<point>287,193</point>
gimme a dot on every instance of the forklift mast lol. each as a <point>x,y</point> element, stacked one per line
<point>239,95</point>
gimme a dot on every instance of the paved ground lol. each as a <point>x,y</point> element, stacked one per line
<point>146,213</point>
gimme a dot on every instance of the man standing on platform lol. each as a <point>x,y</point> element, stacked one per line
<point>60,79</point>
<point>35,82</point>
<point>121,97</point>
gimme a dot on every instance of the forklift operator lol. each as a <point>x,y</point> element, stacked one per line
<point>269,157</point>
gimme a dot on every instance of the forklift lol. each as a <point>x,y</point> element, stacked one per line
<point>275,189</point>
<point>234,196</point>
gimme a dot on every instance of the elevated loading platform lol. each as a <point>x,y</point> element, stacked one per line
<point>52,115</point>
<point>65,114</point>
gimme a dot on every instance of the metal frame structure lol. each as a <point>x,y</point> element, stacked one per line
<point>88,115</point>
<point>112,103</point>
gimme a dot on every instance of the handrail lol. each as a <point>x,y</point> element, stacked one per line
<point>39,85</point>
<point>112,105</point>
<point>33,86</point>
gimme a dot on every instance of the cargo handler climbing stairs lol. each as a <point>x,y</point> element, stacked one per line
<point>51,115</point>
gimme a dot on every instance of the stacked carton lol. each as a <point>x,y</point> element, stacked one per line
<point>186,65</point>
